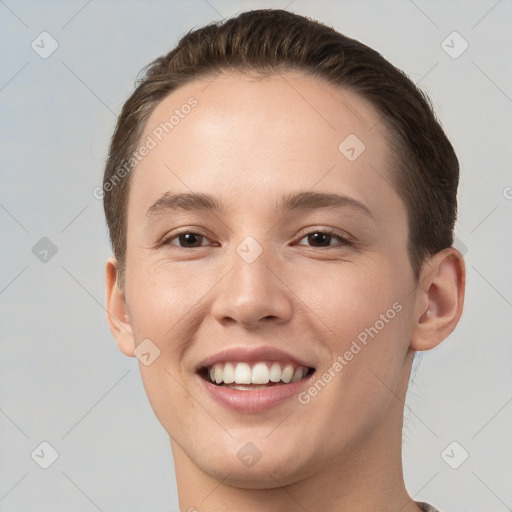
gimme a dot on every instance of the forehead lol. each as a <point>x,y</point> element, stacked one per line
<point>274,102</point>
<point>235,132</point>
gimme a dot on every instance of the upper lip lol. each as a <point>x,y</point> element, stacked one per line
<point>252,355</point>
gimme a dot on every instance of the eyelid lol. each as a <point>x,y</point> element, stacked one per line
<point>345,238</point>
<point>166,239</point>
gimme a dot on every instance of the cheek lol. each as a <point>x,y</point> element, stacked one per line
<point>165,298</point>
<point>366,350</point>
<point>365,318</point>
<point>347,297</point>
<point>166,308</point>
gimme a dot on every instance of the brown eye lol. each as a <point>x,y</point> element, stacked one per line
<point>324,238</point>
<point>320,239</point>
<point>186,240</point>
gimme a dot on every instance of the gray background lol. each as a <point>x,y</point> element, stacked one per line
<point>63,380</point>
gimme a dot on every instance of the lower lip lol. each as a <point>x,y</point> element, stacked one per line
<point>253,400</point>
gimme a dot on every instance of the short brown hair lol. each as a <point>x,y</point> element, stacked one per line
<point>269,41</point>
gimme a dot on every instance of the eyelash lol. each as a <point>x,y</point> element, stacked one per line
<point>344,239</point>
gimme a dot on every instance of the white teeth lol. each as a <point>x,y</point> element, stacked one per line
<point>229,373</point>
<point>243,374</point>
<point>261,373</point>
<point>297,375</point>
<point>275,372</point>
<point>218,374</point>
<point>287,373</point>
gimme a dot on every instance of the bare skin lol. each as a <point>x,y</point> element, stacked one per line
<point>248,143</point>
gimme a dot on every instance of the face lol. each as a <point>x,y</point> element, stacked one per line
<point>266,244</point>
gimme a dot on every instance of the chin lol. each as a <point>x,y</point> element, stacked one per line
<point>250,468</point>
<point>266,476</point>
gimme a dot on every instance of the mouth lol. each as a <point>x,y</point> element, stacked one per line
<point>255,379</point>
<point>251,376</point>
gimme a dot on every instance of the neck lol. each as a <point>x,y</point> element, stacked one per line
<point>369,478</point>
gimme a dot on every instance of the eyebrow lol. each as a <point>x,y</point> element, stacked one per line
<point>288,202</point>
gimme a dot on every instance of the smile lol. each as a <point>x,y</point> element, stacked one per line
<point>246,376</point>
<point>253,379</point>
<point>253,387</point>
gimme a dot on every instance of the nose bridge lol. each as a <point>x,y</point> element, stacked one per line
<point>252,291</point>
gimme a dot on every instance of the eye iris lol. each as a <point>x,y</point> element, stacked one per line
<point>194,239</point>
<point>319,238</point>
<point>190,239</point>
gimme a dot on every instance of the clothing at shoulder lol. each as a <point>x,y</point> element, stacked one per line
<point>426,507</point>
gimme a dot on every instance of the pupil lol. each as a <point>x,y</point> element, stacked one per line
<point>188,238</point>
<point>320,237</point>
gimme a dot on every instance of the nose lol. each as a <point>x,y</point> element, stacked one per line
<point>253,293</point>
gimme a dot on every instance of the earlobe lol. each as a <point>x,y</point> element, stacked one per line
<point>117,313</point>
<point>440,299</point>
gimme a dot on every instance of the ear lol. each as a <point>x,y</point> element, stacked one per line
<point>117,313</point>
<point>440,299</point>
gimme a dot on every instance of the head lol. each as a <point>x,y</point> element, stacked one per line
<point>318,192</point>
<point>425,171</point>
